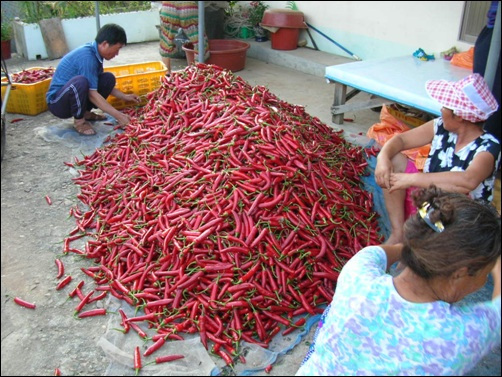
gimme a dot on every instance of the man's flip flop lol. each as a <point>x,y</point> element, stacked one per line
<point>85,129</point>
<point>93,116</point>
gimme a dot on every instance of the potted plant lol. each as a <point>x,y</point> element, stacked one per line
<point>6,37</point>
<point>236,22</point>
<point>256,11</point>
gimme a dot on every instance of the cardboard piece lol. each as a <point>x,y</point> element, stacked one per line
<point>54,38</point>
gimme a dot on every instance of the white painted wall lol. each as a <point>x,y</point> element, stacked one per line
<point>369,30</point>
<point>139,27</point>
<point>381,29</point>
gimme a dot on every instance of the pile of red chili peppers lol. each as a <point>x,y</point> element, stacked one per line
<point>32,75</point>
<point>222,210</point>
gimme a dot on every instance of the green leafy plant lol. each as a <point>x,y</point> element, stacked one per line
<point>6,28</point>
<point>35,11</point>
<point>236,17</point>
<point>256,11</point>
<point>291,5</point>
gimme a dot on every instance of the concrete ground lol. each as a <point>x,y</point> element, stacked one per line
<point>32,168</point>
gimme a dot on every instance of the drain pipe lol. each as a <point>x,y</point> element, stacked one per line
<point>336,43</point>
<point>96,13</point>
<point>201,32</point>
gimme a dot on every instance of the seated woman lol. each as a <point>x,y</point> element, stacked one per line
<point>416,323</point>
<point>463,157</point>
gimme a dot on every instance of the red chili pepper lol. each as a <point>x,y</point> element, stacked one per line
<point>92,313</point>
<point>83,302</point>
<point>168,358</point>
<point>202,330</point>
<point>48,199</point>
<point>250,273</point>
<point>276,317</point>
<point>138,329</point>
<point>154,347</point>
<point>17,120</point>
<point>57,372</point>
<point>76,290</point>
<point>268,368</point>
<point>63,283</point>
<point>298,323</point>
<point>137,360</point>
<point>60,267</point>
<point>225,356</point>
<point>124,322</point>
<point>24,303</point>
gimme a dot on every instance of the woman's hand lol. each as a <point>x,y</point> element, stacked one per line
<point>400,181</point>
<point>383,171</point>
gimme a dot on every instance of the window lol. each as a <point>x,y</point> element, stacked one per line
<point>474,20</point>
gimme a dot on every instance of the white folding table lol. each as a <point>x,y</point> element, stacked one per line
<point>389,80</point>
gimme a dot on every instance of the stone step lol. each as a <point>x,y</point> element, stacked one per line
<point>303,59</point>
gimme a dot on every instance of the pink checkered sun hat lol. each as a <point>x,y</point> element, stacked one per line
<point>469,98</point>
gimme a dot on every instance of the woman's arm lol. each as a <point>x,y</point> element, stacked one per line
<point>496,279</point>
<point>413,138</point>
<point>393,253</point>
<point>455,181</point>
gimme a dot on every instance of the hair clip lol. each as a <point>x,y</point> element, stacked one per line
<point>425,212</point>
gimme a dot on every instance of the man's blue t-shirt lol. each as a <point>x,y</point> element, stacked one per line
<point>83,61</point>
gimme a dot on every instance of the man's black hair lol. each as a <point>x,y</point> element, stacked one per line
<point>111,33</point>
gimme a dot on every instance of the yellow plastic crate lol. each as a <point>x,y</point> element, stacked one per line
<point>409,120</point>
<point>139,79</point>
<point>28,99</point>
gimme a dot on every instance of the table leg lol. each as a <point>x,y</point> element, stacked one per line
<point>339,99</point>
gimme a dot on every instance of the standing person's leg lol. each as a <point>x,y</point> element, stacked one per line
<point>493,123</point>
<point>189,20</point>
<point>481,51</point>
<point>169,25</point>
<point>72,101</point>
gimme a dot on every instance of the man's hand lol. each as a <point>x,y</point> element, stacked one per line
<point>131,98</point>
<point>123,119</point>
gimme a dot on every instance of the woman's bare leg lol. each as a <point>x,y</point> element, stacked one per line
<point>394,202</point>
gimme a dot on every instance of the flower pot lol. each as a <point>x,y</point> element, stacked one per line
<point>6,49</point>
<point>260,34</point>
<point>245,32</point>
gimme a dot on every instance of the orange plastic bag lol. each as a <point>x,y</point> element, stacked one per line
<point>464,59</point>
<point>390,126</point>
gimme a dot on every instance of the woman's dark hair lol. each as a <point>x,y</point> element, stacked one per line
<point>111,33</point>
<point>471,236</point>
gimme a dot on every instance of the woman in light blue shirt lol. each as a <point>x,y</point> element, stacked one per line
<point>413,323</point>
